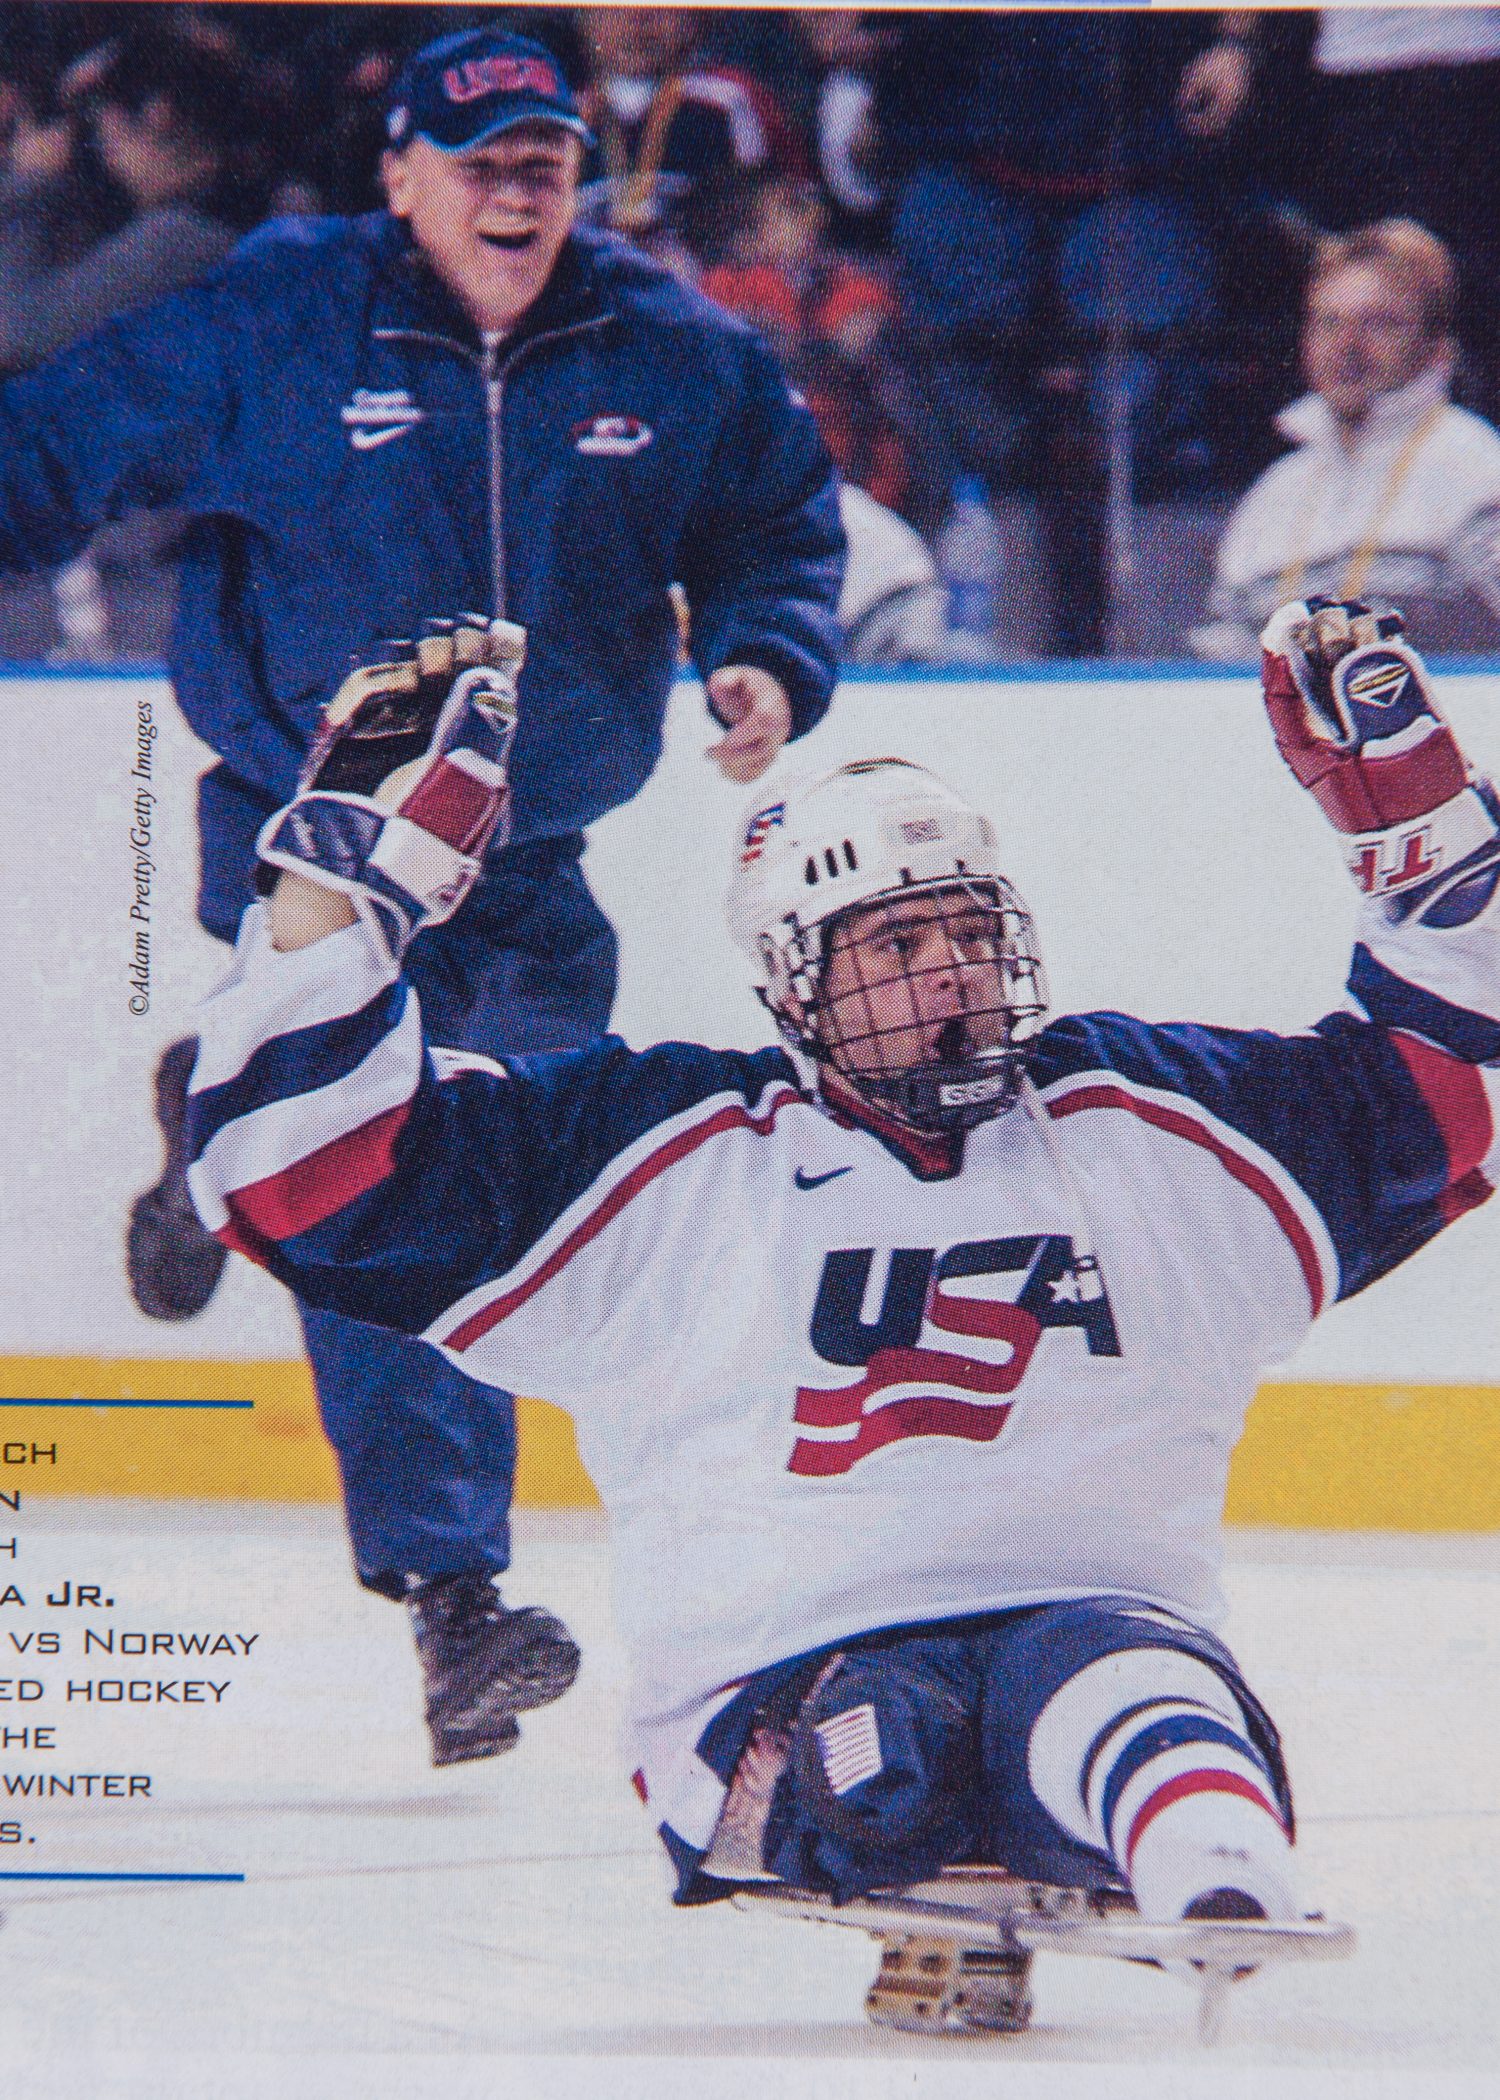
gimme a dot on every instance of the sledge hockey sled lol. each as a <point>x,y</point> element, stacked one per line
<point>956,1952</point>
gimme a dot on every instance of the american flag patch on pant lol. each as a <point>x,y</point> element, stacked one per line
<point>849,1746</point>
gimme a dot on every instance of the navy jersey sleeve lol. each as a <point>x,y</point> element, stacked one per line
<point>1366,1134</point>
<point>762,556</point>
<point>1361,1141</point>
<point>383,1179</point>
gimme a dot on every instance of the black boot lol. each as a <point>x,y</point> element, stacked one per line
<point>1231,1904</point>
<point>484,1664</point>
<point>173,1261</point>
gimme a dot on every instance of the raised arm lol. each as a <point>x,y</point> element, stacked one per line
<point>312,1063</point>
<point>378,1174</point>
<point>1361,1137</point>
<point>1356,719</point>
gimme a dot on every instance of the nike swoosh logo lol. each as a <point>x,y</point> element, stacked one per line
<point>365,440</point>
<point>804,1180</point>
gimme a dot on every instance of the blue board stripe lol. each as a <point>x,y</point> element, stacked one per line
<point>1051,670</point>
<point>128,1403</point>
<point>119,1877</point>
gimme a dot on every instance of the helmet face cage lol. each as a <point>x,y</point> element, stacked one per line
<point>925,997</point>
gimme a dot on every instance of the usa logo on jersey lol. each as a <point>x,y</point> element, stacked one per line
<point>914,1390</point>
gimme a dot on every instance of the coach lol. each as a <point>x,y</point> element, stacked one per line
<point>462,403</point>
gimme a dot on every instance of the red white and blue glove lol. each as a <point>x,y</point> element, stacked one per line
<point>406,785</point>
<point>1356,719</point>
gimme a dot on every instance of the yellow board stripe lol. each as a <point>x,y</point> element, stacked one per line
<point>1326,1457</point>
<point>1370,1458</point>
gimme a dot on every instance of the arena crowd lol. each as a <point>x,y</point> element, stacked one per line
<point>1121,328</point>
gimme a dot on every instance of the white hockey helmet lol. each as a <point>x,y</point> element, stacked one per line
<point>875,836</point>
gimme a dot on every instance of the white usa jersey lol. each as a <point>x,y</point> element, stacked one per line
<point>826,1381</point>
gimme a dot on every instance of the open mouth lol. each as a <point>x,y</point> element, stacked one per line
<point>511,243</point>
<point>951,1041</point>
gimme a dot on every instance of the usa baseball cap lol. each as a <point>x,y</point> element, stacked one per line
<point>467,88</point>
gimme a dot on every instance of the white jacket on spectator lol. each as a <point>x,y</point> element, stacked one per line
<point>1409,516</point>
<point>893,609</point>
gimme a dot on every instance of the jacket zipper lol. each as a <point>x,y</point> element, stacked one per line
<point>494,406</point>
<point>494,371</point>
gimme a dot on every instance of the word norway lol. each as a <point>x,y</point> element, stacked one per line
<point>1060,1290</point>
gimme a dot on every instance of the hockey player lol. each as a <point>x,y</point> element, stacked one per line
<point>909,1364</point>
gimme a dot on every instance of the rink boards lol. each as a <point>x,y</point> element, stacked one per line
<point>1174,871</point>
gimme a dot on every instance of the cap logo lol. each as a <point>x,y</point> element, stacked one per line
<point>920,831</point>
<point>500,75</point>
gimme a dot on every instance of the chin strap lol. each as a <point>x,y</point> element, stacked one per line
<point>947,1097</point>
<point>948,1094</point>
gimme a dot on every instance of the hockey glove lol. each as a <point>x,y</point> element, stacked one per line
<point>1355,718</point>
<point>405,787</point>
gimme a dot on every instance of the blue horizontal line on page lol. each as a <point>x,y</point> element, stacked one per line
<point>42,1876</point>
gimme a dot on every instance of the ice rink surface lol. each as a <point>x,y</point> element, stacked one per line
<point>503,1927</point>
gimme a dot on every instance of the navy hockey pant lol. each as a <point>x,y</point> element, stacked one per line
<point>427,1455</point>
<point>916,1749</point>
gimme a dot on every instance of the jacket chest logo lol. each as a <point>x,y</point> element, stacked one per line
<point>373,418</point>
<point>611,437</point>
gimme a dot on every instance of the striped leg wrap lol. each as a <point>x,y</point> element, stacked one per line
<point>1145,1755</point>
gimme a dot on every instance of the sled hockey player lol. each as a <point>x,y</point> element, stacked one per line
<point>908,1361</point>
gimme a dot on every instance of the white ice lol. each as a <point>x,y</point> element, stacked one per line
<point>397,1923</point>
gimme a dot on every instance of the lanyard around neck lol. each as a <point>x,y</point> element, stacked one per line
<point>1357,569</point>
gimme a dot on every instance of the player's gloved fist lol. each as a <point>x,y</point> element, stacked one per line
<point>406,787</point>
<point>1356,719</point>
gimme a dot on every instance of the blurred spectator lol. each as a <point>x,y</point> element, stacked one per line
<point>1391,111</point>
<point>141,186</point>
<point>39,40</point>
<point>842,45</point>
<point>139,190</point>
<point>1050,268</point>
<point>1404,101</point>
<point>1217,84</point>
<point>1012,266</point>
<point>892,609</point>
<point>826,315</point>
<point>669,120</point>
<point>1392,493</point>
<point>55,206</point>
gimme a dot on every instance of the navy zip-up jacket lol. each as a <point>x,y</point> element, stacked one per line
<point>352,458</point>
